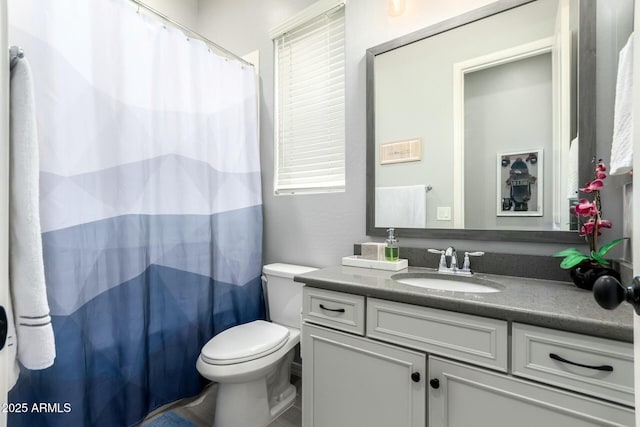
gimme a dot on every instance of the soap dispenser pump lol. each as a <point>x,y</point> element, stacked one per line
<point>391,251</point>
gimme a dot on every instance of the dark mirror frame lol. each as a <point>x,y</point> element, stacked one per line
<point>586,114</point>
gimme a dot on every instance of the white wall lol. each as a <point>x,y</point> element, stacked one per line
<point>184,12</point>
<point>318,230</point>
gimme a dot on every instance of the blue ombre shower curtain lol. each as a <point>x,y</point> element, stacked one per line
<point>150,203</point>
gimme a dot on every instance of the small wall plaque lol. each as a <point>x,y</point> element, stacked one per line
<point>407,150</point>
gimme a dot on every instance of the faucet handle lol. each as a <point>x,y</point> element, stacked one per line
<point>466,254</point>
<point>443,261</point>
<point>466,266</point>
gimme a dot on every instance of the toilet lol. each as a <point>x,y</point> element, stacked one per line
<point>252,362</point>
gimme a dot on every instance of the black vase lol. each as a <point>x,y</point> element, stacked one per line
<point>585,274</point>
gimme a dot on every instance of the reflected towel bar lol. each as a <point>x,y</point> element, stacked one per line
<point>15,53</point>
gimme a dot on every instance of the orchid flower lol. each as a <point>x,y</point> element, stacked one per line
<point>586,208</point>
<point>604,223</point>
<point>595,185</point>
<point>587,227</point>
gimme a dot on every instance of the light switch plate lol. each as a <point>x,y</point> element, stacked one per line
<point>443,213</point>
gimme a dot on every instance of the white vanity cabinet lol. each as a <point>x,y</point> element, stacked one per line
<point>364,362</point>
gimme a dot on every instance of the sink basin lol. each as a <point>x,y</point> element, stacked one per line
<point>446,283</point>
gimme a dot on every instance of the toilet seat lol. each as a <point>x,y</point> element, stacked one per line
<point>245,342</point>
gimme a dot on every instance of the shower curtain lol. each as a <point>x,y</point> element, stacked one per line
<point>150,203</point>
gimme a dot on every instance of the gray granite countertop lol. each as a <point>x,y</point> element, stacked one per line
<point>552,304</point>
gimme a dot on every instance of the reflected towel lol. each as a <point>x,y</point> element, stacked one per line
<point>35,342</point>
<point>622,144</point>
<point>401,207</point>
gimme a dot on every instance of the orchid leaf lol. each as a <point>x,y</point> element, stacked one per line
<point>568,252</point>
<point>571,261</point>
<point>606,248</point>
<point>598,258</point>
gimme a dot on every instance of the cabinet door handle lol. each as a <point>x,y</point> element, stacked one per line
<point>435,383</point>
<point>415,377</point>
<point>607,368</point>
<point>337,310</point>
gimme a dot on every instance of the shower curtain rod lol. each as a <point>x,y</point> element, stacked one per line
<point>190,32</point>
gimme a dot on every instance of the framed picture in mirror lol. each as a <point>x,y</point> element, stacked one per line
<point>519,177</point>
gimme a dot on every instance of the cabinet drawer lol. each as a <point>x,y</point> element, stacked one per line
<point>474,339</point>
<point>469,396</point>
<point>333,309</point>
<point>536,352</point>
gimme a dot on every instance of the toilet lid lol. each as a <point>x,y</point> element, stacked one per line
<point>245,342</point>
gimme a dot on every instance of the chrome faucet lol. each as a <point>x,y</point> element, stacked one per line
<point>452,268</point>
<point>453,264</point>
<point>442,266</point>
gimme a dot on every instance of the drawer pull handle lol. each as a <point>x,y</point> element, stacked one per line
<point>607,368</point>
<point>415,377</point>
<point>435,383</point>
<point>337,310</point>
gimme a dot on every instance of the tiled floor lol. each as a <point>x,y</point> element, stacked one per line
<point>200,410</point>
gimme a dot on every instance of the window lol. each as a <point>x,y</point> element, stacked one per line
<point>309,92</point>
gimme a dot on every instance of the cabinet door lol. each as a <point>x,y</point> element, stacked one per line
<point>466,396</point>
<point>349,381</point>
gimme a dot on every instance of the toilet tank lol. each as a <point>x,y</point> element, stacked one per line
<point>284,296</point>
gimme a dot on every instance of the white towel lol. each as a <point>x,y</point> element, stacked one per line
<point>35,342</point>
<point>13,370</point>
<point>573,182</point>
<point>401,207</point>
<point>622,144</point>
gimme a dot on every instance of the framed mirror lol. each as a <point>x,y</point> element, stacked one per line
<point>471,124</point>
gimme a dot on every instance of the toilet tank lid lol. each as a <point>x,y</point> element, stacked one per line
<point>286,270</point>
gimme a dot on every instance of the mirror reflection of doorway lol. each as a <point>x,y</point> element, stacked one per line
<point>508,113</point>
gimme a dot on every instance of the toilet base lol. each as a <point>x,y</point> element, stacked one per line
<point>231,408</point>
<point>287,399</point>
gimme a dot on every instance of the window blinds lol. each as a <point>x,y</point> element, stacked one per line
<point>310,134</point>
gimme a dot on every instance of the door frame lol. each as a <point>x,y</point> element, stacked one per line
<point>635,241</point>
<point>4,194</point>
